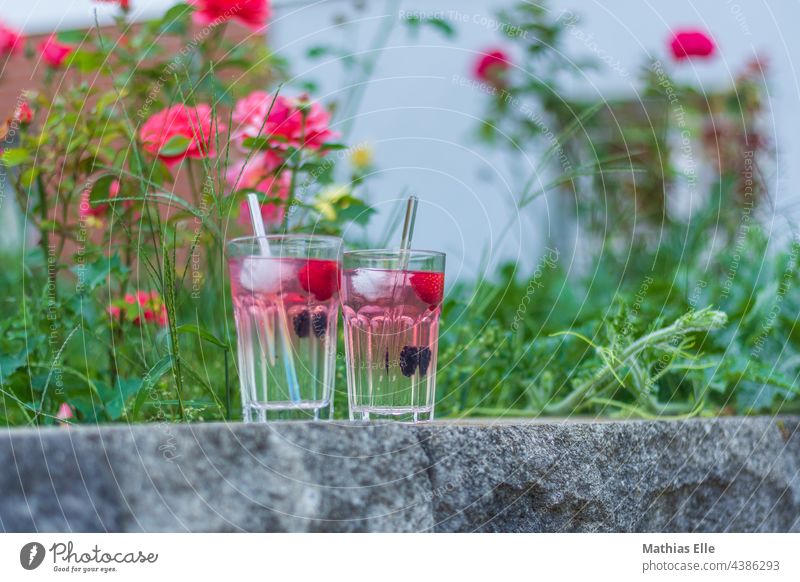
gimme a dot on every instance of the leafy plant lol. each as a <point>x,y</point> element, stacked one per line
<point>130,164</point>
<point>676,311</point>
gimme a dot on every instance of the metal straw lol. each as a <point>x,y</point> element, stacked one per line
<point>408,230</point>
<point>283,329</point>
<point>408,224</point>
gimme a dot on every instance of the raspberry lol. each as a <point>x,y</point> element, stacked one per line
<point>428,286</point>
<point>301,323</point>
<point>320,277</point>
<point>319,324</point>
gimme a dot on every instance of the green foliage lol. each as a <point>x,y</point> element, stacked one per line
<point>122,311</point>
<point>678,339</point>
<point>672,312</point>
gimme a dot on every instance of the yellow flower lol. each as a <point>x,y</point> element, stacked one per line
<point>361,157</point>
<point>93,222</point>
<point>330,196</point>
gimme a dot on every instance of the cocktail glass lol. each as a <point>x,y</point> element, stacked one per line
<point>391,300</point>
<point>286,307</point>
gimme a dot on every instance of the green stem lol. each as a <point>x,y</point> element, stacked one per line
<point>227,388</point>
<point>585,390</point>
<point>44,240</point>
<point>169,292</point>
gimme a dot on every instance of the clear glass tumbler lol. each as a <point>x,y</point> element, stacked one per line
<point>286,306</point>
<point>391,300</point>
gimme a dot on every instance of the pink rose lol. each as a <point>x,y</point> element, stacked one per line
<point>195,123</point>
<point>273,187</point>
<point>691,43</point>
<point>258,173</point>
<point>252,13</point>
<point>246,174</point>
<point>10,41</point>
<point>299,122</point>
<point>114,311</point>
<point>53,52</point>
<point>64,412</point>
<point>491,66</point>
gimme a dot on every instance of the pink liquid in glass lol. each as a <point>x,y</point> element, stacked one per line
<point>391,320</point>
<point>286,311</point>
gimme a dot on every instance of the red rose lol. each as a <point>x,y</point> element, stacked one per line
<point>10,40</point>
<point>491,66</point>
<point>691,43</point>
<point>193,123</point>
<point>252,13</point>
<point>54,53</point>
<point>23,113</point>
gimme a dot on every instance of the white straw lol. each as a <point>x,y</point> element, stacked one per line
<point>258,225</point>
<point>283,329</point>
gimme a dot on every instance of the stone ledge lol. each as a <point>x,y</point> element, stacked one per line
<point>727,474</point>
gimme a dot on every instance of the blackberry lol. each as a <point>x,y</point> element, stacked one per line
<point>319,324</point>
<point>408,360</point>
<point>424,359</point>
<point>302,323</point>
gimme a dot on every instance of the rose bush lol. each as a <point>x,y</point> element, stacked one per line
<point>130,184</point>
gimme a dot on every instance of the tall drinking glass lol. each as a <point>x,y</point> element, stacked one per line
<point>285,292</point>
<point>391,300</point>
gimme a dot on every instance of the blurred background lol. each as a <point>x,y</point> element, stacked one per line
<point>420,112</point>
<point>612,183</point>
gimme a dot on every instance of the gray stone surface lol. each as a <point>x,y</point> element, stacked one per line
<point>730,474</point>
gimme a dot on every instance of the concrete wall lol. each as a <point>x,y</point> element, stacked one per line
<point>709,475</point>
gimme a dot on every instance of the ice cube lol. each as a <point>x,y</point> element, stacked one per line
<point>375,285</point>
<point>265,275</point>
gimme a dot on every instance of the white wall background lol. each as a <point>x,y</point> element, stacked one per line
<point>421,123</point>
